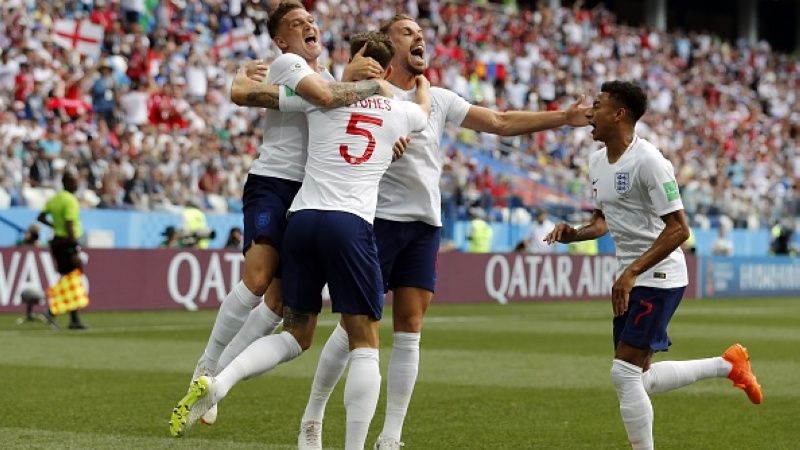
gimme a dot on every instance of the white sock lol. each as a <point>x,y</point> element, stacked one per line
<point>361,393</point>
<point>232,313</point>
<point>260,322</point>
<point>330,368</point>
<point>262,355</point>
<point>668,375</point>
<point>634,404</point>
<point>403,369</point>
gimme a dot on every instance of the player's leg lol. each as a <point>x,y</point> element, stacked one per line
<point>303,281</point>
<point>363,384</point>
<point>734,364</point>
<point>356,287</point>
<point>335,354</point>
<point>330,368</point>
<point>265,201</point>
<point>412,280</point>
<point>261,321</point>
<point>638,333</point>
<point>260,261</point>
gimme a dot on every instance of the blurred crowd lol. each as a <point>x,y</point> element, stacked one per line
<point>149,126</point>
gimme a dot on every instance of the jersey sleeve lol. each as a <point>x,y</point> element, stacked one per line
<point>658,178</point>
<point>455,106</point>
<point>289,101</point>
<point>288,69</point>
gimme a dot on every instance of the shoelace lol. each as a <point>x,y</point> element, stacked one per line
<point>312,435</point>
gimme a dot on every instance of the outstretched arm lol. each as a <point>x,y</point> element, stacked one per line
<point>515,123</point>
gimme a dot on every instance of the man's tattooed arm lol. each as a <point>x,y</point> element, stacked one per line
<point>320,92</point>
<point>246,92</point>
<point>344,94</point>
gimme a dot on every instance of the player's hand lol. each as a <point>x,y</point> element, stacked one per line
<point>256,70</point>
<point>400,147</point>
<point>422,82</point>
<point>563,233</point>
<point>362,67</point>
<point>620,292</point>
<point>576,113</point>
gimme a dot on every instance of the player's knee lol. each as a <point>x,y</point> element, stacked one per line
<point>408,322</point>
<point>302,338</point>
<point>257,280</point>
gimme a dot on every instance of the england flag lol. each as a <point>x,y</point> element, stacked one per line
<point>83,36</point>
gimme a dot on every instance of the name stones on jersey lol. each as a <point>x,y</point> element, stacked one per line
<point>622,182</point>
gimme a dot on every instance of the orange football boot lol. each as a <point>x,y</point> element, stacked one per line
<point>741,374</point>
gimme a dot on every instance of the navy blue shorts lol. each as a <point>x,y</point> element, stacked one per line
<point>265,201</point>
<point>645,323</point>
<point>331,247</point>
<point>408,253</point>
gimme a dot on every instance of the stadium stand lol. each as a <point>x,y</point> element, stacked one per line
<point>149,126</point>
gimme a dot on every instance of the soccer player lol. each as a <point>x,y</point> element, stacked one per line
<point>65,211</point>
<point>276,175</point>
<point>407,227</point>
<point>637,199</point>
<point>330,239</point>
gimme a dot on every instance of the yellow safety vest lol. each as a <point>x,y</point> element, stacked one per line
<point>480,237</point>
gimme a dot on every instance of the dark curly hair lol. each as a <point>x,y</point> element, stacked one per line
<point>629,95</point>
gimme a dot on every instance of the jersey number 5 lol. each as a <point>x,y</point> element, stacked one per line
<point>352,128</point>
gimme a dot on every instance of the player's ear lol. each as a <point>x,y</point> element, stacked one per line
<point>620,115</point>
<point>281,43</point>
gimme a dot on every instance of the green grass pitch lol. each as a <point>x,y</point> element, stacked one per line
<point>518,376</point>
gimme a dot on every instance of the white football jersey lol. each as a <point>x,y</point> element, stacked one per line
<point>633,194</point>
<point>349,150</point>
<point>282,153</point>
<point>410,189</point>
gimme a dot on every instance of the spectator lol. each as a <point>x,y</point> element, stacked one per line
<point>172,238</point>
<point>479,235</point>
<point>730,109</point>
<point>722,246</point>
<point>31,237</point>
<point>104,94</point>
<point>234,239</point>
<point>534,242</point>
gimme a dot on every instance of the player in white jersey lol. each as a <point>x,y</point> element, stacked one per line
<point>329,238</point>
<point>637,199</point>
<point>275,176</point>
<point>407,228</point>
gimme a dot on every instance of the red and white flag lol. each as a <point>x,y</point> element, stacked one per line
<point>83,36</point>
<point>238,39</point>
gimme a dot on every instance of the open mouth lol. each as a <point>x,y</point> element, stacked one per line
<point>311,39</point>
<point>418,51</point>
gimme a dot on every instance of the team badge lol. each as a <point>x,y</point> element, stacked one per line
<point>622,182</point>
<point>262,220</point>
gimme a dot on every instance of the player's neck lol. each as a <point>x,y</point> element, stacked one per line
<point>402,78</point>
<point>617,145</point>
<point>314,65</point>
